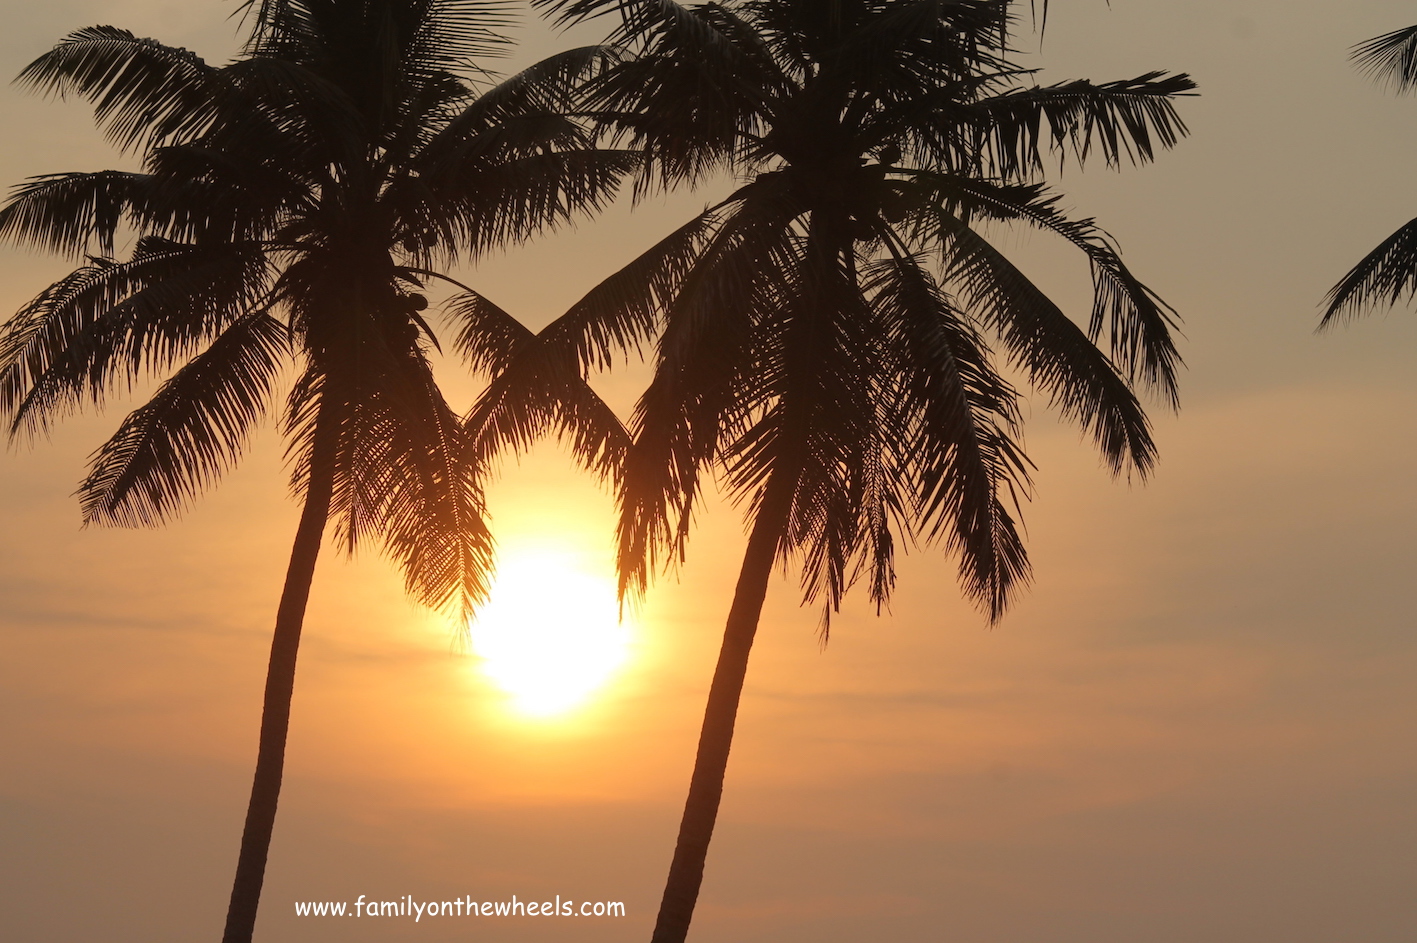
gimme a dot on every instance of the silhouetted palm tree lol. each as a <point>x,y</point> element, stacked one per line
<point>822,332</point>
<point>291,206</point>
<point>1389,271</point>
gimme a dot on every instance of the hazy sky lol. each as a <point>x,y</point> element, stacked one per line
<point>1198,725</point>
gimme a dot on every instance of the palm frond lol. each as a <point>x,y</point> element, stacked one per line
<point>1391,58</point>
<point>467,210</point>
<point>961,418</point>
<point>898,50</point>
<point>824,425</point>
<point>1383,277</point>
<point>1138,324</point>
<point>288,115</point>
<point>142,91</point>
<point>407,35</point>
<point>169,450</point>
<point>691,406</point>
<point>538,384</point>
<point>688,97</point>
<point>70,212</point>
<point>1130,119</point>
<point>624,311</point>
<point>203,193</point>
<point>538,388</point>
<point>1056,354</point>
<point>635,15</point>
<point>451,35</point>
<point>548,87</point>
<point>429,509</point>
<point>110,322</point>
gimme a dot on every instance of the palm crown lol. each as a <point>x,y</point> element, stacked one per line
<point>828,323</point>
<point>289,208</point>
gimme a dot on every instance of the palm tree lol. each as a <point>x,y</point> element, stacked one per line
<point>824,333</point>
<point>291,206</point>
<point>1389,272</point>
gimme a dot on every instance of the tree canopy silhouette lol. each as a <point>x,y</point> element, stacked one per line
<point>290,207</point>
<point>832,338</point>
<point>1389,272</point>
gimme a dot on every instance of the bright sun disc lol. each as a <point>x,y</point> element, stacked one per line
<point>550,634</point>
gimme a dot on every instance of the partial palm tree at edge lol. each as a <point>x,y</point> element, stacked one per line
<point>1389,272</point>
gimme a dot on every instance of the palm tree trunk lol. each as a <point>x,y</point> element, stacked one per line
<point>686,872</point>
<point>280,685</point>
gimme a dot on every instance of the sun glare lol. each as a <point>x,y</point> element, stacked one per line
<point>550,634</point>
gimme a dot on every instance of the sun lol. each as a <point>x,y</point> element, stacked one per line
<point>550,634</point>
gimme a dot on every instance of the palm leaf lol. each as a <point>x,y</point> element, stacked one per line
<point>427,500</point>
<point>690,409</point>
<point>1056,354</point>
<point>169,450</point>
<point>68,213</point>
<point>1384,276</point>
<point>142,91</point>
<point>961,419</point>
<point>549,87</point>
<point>1137,322</point>
<point>1391,57</point>
<point>1130,119</point>
<point>468,210</point>
<point>110,321</point>
<point>537,389</point>
<point>690,94</point>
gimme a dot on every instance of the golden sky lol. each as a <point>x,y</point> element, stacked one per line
<point>1198,725</point>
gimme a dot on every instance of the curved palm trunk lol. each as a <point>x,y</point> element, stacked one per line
<point>686,872</point>
<point>280,684</point>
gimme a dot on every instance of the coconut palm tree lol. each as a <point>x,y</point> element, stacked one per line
<point>839,340</point>
<point>290,208</point>
<point>1389,272</point>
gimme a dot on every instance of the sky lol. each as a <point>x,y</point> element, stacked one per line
<point>1196,725</point>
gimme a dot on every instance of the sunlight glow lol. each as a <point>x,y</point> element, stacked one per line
<point>549,635</point>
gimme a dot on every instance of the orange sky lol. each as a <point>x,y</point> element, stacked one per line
<point>1196,726</point>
